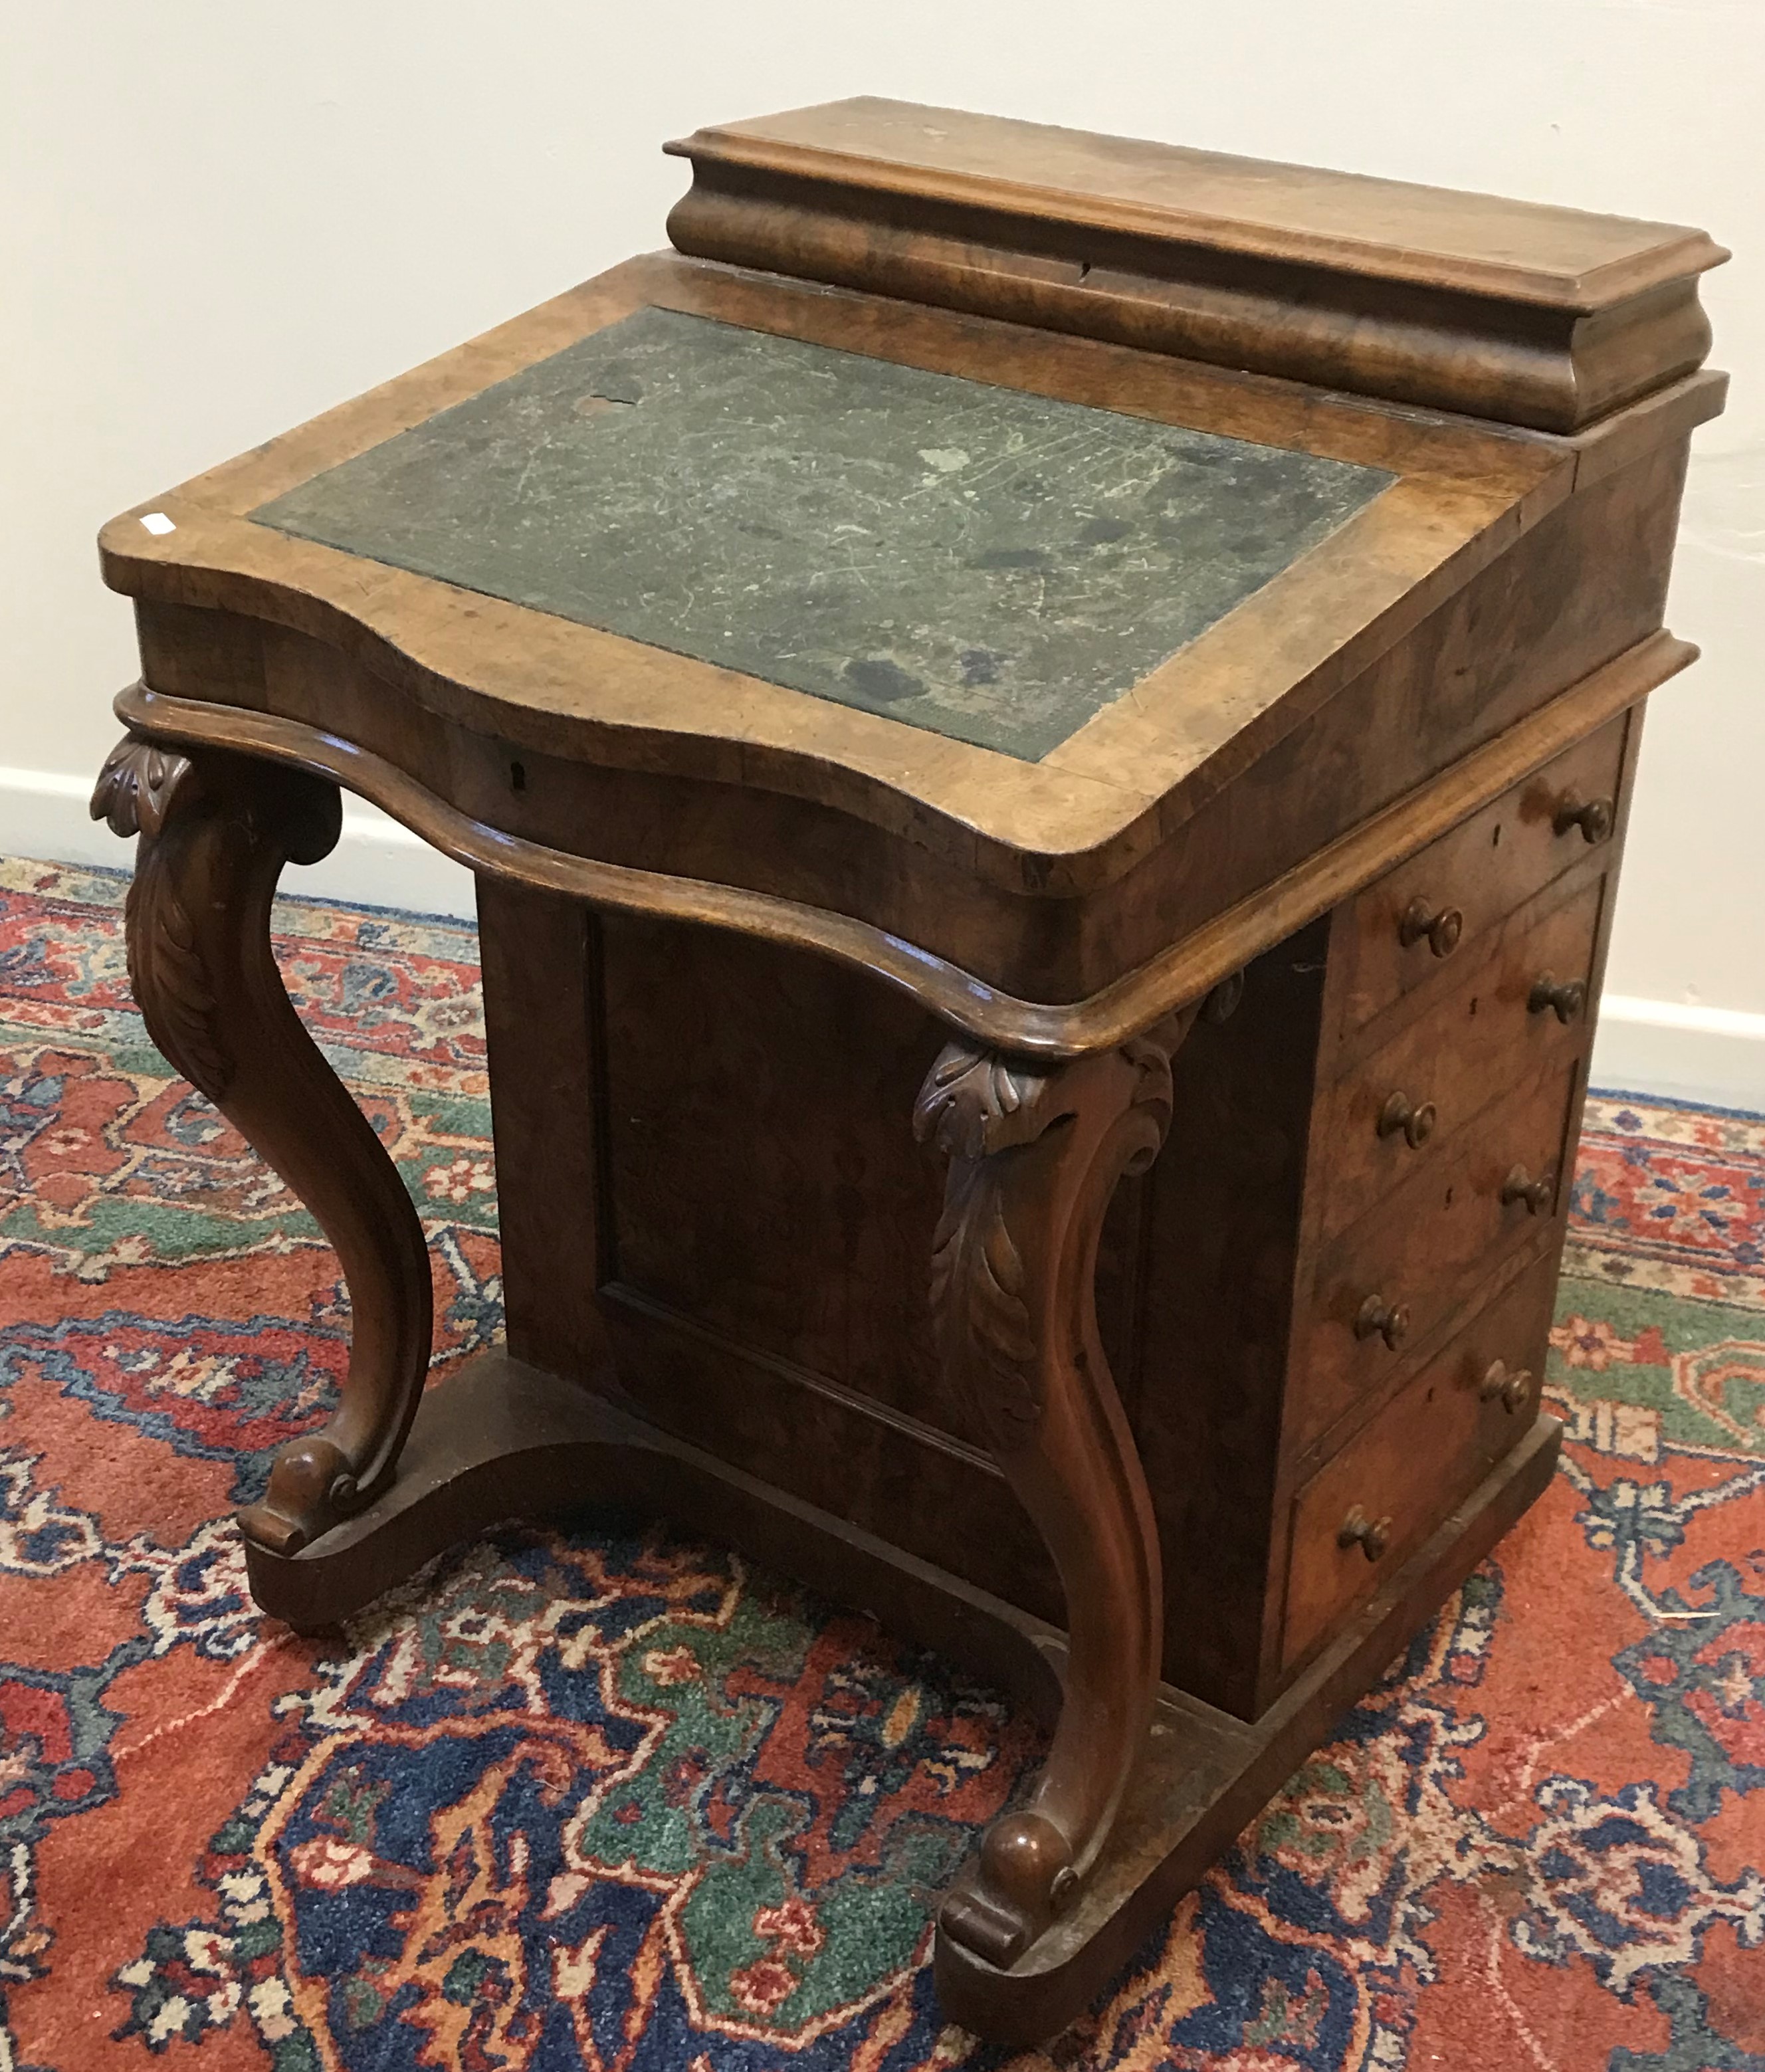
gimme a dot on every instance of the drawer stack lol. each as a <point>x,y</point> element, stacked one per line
<point>1371,1258</point>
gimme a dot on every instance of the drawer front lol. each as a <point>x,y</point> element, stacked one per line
<point>1359,1517</point>
<point>1406,1107</point>
<point>1379,1290</point>
<point>1439,907</point>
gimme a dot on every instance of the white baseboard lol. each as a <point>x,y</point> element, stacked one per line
<point>377,863</point>
<point>1700,1054</point>
<point>1712,1055</point>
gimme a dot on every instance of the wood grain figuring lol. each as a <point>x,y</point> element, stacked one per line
<point>1483,1034</point>
<point>765,1283</point>
<point>1086,814</point>
<point>1416,1459</point>
<point>1421,1254</point>
<point>1542,316</point>
<point>1388,229</point>
<point>539,957</point>
<point>1205,1777</point>
<point>1118,1011</point>
<point>1489,865</point>
<point>1034,1157</point>
<point>214,830</point>
<point>1223,1211</point>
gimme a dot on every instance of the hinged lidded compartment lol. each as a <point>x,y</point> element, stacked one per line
<point>1537,315</point>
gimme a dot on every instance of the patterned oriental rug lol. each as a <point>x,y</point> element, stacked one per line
<point>575,1800</point>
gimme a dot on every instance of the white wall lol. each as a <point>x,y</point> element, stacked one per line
<point>219,216</point>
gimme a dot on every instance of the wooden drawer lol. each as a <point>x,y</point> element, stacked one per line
<point>1405,1107</point>
<point>1481,872</point>
<point>1428,1447</point>
<point>1439,1235</point>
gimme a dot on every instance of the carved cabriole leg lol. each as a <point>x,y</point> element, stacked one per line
<point>215,829</point>
<point>1036,1152</point>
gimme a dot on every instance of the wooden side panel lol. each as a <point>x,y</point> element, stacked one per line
<point>767,1255</point>
<point>540,954</point>
<point>1222,1218</point>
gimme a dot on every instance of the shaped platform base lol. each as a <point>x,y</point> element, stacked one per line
<point>498,1440</point>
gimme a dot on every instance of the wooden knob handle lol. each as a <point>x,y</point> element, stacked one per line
<point>1441,931</point>
<point>1594,818</point>
<point>1566,1000</point>
<point>1539,1195</point>
<point>1414,1120</point>
<point>1377,1318</point>
<point>1512,1385</point>
<point>1371,1536</point>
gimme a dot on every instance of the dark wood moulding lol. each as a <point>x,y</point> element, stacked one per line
<point>1034,1028</point>
<point>1544,317</point>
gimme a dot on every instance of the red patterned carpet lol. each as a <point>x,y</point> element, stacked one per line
<point>586,1801</point>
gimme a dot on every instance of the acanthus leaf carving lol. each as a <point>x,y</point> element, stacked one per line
<point>171,982</point>
<point>1036,1149</point>
<point>216,828</point>
<point>144,789</point>
<point>985,1328</point>
<point>137,786</point>
<point>974,1101</point>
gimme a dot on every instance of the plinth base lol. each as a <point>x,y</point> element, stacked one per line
<point>498,1440</point>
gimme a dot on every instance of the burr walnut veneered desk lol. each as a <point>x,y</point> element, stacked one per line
<point>1045,726</point>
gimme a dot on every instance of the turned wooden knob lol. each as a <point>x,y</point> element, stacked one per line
<point>1414,1120</point>
<point>1377,1318</point>
<point>1595,819</point>
<point>1441,930</point>
<point>1513,1385</point>
<point>1538,1194</point>
<point>1565,1002</point>
<point>1371,1536</point>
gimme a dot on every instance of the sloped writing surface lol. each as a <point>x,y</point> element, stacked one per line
<point>991,566</point>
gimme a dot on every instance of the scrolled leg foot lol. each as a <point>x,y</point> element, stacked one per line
<point>312,1487</point>
<point>1036,1151</point>
<point>215,829</point>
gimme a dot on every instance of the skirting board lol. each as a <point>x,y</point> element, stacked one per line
<point>1712,1055</point>
<point>377,862</point>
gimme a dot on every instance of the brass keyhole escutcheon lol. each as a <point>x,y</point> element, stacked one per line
<point>1414,1120</point>
<point>1594,818</point>
<point>1377,1318</point>
<point>1440,931</point>
<point>1539,1195</point>
<point>1566,1000</point>
<point>1512,1385</point>
<point>1371,1536</point>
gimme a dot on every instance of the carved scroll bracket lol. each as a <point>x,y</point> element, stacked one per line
<point>1036,1152</point>
<point>215,829</point>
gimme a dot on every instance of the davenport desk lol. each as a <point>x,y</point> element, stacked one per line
<point>1044,724</point>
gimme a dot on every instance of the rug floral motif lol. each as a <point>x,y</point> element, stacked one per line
<point>584,1800</point>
